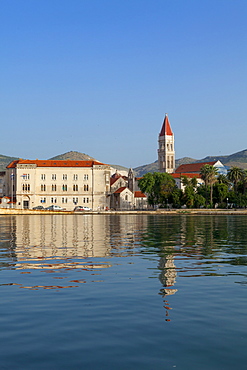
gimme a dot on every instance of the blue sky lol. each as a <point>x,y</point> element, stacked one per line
<point>98,76</point>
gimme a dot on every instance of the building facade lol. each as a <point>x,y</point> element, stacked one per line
<point>31,183</point>
<point>166,151</point>
<point>192,170</point>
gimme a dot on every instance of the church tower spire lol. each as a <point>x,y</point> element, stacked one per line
<point>166,151</point>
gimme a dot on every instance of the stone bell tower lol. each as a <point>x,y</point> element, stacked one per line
<point>166,151</point>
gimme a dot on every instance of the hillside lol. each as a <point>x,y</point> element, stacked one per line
<point>153,167</point>
<point>238,159</point>
<point>72,156</point>
<point>4,161</point>
<point>77,156</point>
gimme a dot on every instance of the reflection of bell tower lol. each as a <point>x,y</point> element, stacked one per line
<point>166,151</point>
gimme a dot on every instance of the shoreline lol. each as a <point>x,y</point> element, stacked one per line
<point>7,211</point>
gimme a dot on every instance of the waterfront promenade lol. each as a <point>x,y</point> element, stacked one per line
<point>7,211</point>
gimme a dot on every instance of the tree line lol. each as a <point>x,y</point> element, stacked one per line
<point>218,190</point>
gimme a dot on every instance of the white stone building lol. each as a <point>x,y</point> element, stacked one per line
<point>30,183</point>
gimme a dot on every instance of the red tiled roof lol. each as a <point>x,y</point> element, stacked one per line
<point>139,194</point>
<point>112,181</point>
<point>192,167</point>
<point>118,191</point>
<point>115,179</point>
<point>190,175</point>
<point>166,128</point>
<point>54,163</point>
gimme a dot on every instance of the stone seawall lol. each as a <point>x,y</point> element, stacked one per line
<point>6,211</point>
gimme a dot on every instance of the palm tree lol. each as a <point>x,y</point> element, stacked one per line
<point>222,179</point>
<point>235,174</point>
<point>208,174</point>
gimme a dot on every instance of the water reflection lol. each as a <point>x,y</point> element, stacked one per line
<point>62,243</point>
<point>186,246</point>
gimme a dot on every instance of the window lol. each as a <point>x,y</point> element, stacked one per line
<point>42,176</point>
<point>42,200</point>
<point>53,187</point>
<point>85,177</point>
<point>26,176</point>
<point>43,187</point>
<point>64,177</point>
<point>64,200</point>
<point>75,177</point>
<point>85,200</point>
<point>26,187</point>
<point>75,187</point>
<point>85,187</point>
<point>126,197</point>
<point>64,188</point>
<point>53,200</point>
<point>53,176</point>
<point>75,200</point>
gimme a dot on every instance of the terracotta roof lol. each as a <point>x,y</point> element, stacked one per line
<point>113,180</point>
<point>139,194</point>
<point>190,175</point>
<point>54,163</point>
<point>166,128</point>
<point>192,167</point>
<point>118,191</point>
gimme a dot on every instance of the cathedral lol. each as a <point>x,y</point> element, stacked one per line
<point>166,151</point>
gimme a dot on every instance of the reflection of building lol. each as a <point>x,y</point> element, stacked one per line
<point>72,236</point>
<point>65,236</point>
<point>168,274</point>
<point>65,183</point>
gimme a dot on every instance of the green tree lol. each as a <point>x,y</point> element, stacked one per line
<point>220,192</point>
<point>223,179</point>
<point>235,175</point>
<point>176,197</point>
<point>199,200</point>
<point>158,186</point>
<point>208,174</point>
<point>189,195</point>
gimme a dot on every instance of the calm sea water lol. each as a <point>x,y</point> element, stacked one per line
<point>123,292</point>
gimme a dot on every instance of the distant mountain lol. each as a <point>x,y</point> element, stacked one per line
<point>77,156</point>
<point>73,156</point>
<point>4,161</point>
<point>153,167</point>
<point>238,159</point>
